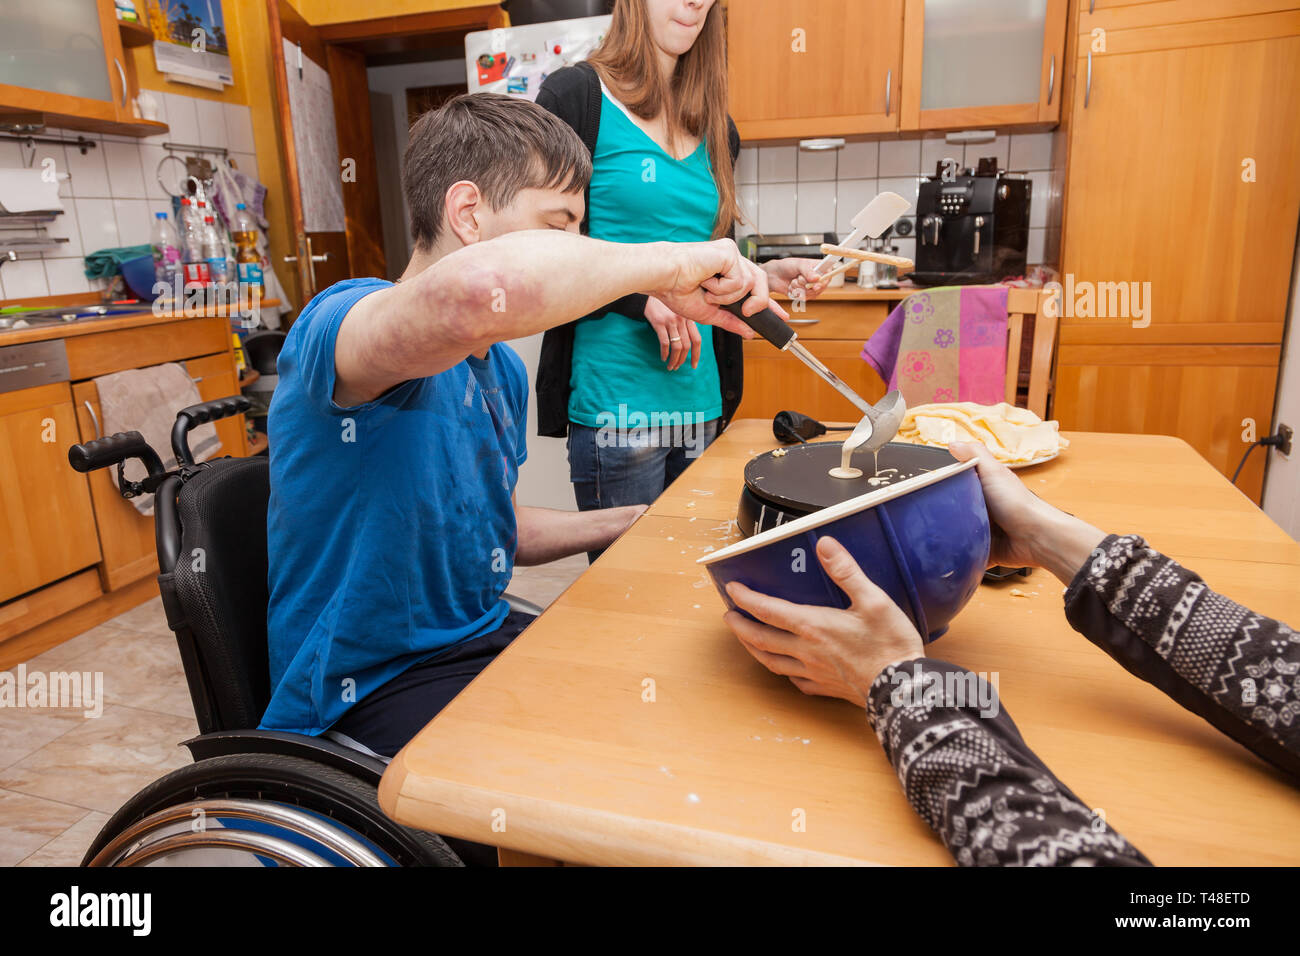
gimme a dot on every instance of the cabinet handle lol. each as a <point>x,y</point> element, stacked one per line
<point>121,74</point>
<point>93,417</point>
<point>1087,84</point>
<point>290,258</point>
<point>889,87</point>
<point>802,321</point>
<point>1051,79</point>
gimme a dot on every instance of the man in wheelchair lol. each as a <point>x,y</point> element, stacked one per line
<point>398,424</point>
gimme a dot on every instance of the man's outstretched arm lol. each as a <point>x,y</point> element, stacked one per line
<point>523,283</point>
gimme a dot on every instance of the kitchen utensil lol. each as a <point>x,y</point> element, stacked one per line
<point>903,263</point>
<point>886,415</point>
<point>873,219</point>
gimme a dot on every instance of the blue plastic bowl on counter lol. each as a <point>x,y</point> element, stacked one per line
<point>923,540</point>
<point>138,273</point>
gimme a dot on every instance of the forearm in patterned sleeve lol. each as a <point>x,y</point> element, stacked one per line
<point>1237,669</point>
<point>966,770</point>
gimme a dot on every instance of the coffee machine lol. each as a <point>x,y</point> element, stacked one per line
<point>972,226</point>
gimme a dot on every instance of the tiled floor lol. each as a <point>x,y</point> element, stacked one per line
<point>62,775</point>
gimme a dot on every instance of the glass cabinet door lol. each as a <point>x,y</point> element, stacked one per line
<point>982,53</point>
<point>56,46</point>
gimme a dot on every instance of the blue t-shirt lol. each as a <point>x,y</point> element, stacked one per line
<point>391,534</point>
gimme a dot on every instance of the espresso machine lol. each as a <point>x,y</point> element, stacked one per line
<point>972,227</point>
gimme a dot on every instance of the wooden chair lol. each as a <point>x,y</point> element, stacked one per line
<point>1038,376</point>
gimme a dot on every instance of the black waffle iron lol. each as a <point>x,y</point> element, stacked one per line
<point>789,483</point>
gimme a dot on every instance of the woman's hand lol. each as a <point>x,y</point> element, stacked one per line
<point>1026,530</point>
<point>679,338</point>
<point>827,651</point>
<point>796,278</point>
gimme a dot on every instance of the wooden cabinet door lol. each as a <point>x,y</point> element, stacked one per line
<point>217,379</point>
<point>1204,394</point>
<point>800,68</point>
<point>1182,174</point>
<point>996,64</point>
<point>47,528</point>
<point>776,380</point>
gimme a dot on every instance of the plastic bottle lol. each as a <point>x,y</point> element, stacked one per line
<point>213,251</point>
<point>249,263</point>
<point>195,263</point>
<point>166,254</point>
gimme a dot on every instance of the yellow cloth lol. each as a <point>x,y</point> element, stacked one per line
<point>1013,434</point>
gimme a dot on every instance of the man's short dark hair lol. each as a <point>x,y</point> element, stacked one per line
<point>499,143</point>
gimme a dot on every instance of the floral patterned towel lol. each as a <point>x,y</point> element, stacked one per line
<point>946,344</point>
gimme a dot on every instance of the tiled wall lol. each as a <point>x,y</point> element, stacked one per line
<point>112,191</point>
<point>784,189</point>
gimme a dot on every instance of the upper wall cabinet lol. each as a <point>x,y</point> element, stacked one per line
<point>61,64</point>
<point>799,68</point>
<point>982,63</point>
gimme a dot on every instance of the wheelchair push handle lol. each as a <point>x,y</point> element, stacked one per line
<point>115,450</point>
<point>200,414</point>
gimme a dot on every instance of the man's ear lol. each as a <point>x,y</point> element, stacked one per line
<point>462,208</point>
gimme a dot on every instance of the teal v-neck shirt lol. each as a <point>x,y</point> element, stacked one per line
<point>639,193</point>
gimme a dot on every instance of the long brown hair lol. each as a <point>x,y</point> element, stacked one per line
<point>696,100</point>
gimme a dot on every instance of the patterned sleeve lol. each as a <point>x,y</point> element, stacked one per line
<point>1237,669</point>
<point>966,770</point>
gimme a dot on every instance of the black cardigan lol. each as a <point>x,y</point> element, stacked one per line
<point>573,94</point>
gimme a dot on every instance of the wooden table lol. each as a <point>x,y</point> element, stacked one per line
<point>628,726</point>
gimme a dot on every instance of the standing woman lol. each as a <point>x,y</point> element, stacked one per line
<point>651,105</point>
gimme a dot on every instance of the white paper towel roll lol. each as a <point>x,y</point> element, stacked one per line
<point>26,191</point>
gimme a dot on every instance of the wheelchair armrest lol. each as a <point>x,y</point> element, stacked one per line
<point>320,749</point>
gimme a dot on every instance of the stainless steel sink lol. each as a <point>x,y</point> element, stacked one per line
<point>56,316</point>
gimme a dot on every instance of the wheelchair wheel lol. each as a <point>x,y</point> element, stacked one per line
<point>261,810</point>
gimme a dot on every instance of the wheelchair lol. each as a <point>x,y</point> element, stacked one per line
<point>252,797</point>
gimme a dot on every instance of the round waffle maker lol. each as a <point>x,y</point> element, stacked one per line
<point>789,483</point>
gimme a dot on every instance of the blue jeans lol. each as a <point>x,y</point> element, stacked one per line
<point>611,468</point>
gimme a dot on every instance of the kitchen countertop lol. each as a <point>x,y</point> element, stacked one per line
<point>111,323</point>
<point>849,292</point>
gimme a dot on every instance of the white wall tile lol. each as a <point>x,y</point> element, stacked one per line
<point>66,276</point>
<point>1030,151</point>
<point>899,157</point>
<point>151,156</point>
<point>25,279</point>
<point>904,186</point>
<point>858,160</point>
<point>906,247</point>
<point>246,163</point>
<point>852,195</point>
<point>815,210</point>
<point>999,147</point>
<point>776,207</point>
<point>65,225</point>
<point>211,116</point>
<point>777,164</point>
<point>935,149</point>
<point>747,165</point>
<point>12,155</point>
<point>182,118</point>
<point>133,225</point>
<point>747,196</point>
<point>125,178</point>
<point>1037,240</point>
<point>816,166</point>
<point>89,172</point>
<point>1040,199</point>
<point>98,224</point>
<point>239,128</point>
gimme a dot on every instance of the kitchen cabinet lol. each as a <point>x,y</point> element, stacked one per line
<point>993,63</point>
<point>47,527</point>
<point>801,68</point>
<point>62,64</point>
<point>1180,183</point>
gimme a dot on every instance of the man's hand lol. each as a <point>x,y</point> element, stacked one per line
<point>796,277</point>
<point>1026,530</point>
<point>679,338</point>
<point>827,651</point>
<point>707,275</point>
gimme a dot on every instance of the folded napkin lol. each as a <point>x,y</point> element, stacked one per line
<point>146,400</point>
<point>1014,435</point>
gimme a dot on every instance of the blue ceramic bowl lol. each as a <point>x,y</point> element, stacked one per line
<point>923,541</point>
<point>138,273</point>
